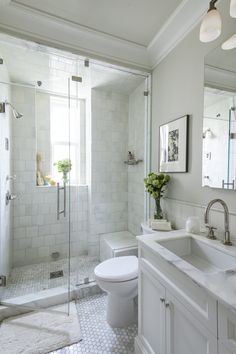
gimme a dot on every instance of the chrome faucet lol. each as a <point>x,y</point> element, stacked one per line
<point>226,219</point>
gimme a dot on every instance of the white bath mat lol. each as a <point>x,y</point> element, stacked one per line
<point>40,332</point>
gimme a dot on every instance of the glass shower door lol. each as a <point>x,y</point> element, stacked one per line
<point>34,243</point>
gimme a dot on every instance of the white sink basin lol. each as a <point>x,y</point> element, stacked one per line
<point>199,254</point>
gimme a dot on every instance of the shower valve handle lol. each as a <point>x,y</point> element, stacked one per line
<point>10,197</point>
<point>11,178</point>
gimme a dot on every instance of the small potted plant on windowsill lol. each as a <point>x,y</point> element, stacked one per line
<point>155,186</point>
<point>64,166</point>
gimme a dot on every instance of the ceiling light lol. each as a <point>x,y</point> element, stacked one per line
<point>230,43</point>
<point>233,8</point>
<point>211,24</point>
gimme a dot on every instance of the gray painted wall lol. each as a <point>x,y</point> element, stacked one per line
<point>177,90</point>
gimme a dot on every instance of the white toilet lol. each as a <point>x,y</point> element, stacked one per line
<point>119,278</point>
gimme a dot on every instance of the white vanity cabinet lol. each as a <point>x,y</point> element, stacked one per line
<point>152,311</point>
<point>166,326</point>
<point>184,333</point>
<point>224,350</point>
<point>183,308</point>
<point>227,329</point>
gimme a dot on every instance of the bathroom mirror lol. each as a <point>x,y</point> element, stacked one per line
<point>219,120</point>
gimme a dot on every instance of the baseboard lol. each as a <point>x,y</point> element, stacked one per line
<point>139,346</point>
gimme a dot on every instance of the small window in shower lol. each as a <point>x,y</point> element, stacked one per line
<point>61,135</point>
<point>67,131</point>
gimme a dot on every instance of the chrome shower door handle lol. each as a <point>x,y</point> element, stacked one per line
<point>58,201</point>
<point>64,199</point>
<point>63,211</point>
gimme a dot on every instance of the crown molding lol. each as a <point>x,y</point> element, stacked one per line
<point>27,22</point>
<point>186,16</point>
<point>220,78</point>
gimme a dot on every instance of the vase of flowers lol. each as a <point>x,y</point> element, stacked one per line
<point>155,186</point>
<point>64,166</point>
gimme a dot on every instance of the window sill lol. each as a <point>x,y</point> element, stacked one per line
<point>71,185</point>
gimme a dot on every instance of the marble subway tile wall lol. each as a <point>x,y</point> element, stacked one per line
<point>178,211</point>
<point>136,173</point>
<point>109,176</point>
<point>36,231</point>
<point>117,122</point>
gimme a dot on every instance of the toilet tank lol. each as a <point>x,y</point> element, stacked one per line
<point>118,244</point>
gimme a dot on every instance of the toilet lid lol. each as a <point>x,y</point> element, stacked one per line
<point>118,269</point>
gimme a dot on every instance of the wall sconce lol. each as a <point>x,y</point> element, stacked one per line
<point>211,24</point>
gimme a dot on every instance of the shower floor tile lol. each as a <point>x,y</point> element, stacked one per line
<point>36,277</point>
<point>97,335</point>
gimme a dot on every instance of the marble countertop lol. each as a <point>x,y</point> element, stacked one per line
<point>221,284</point>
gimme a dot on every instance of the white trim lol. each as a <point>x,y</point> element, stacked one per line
<point>197,205</point>
<point>27,22</point>
<point>141,345</point>
<point>180,23</point>
<point>220,78</point>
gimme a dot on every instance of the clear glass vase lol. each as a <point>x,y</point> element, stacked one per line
<point>158,211</point>
<point>64,177</point>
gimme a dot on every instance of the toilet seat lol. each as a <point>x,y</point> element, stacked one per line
<point>118,269</point>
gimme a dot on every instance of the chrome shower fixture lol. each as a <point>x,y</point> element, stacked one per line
<point>15,113</point>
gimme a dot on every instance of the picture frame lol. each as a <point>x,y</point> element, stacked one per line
<point>173,145</point>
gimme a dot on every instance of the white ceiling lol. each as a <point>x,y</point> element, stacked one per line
<point>132,20</point>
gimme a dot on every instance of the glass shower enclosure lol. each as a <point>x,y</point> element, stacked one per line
<point>65,136</point>
<point>35,210</point>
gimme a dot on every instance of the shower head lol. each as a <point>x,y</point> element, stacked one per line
<point>15,113</point>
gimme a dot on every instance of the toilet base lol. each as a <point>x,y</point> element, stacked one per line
<point>121,311</point>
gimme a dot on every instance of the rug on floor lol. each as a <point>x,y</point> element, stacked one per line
<point>40,332</point>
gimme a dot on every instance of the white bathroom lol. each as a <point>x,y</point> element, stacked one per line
<point>62,110</point>
<point>117,177</point>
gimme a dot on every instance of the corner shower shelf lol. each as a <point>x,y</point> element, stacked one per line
<point>132,162</point>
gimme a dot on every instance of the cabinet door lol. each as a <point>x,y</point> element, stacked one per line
<point>227,327</point>
<point>184,333</point>
<point>223,350</point>
<point>151,310</point>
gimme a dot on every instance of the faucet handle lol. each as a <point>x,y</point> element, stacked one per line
<point>211,233</point>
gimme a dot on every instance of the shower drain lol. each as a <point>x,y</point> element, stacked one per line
<point>56,274</point>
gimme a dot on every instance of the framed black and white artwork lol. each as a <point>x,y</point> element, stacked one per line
<point>173,149</point>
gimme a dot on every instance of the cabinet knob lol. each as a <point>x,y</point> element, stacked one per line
<point>167,304</point>
<point>162,299</point>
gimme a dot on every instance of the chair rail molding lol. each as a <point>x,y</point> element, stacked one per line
<point>27,22</point>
